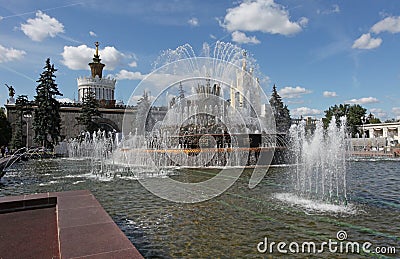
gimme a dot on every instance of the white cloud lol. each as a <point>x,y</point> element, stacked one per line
<point>389,24</point>
<point>129,75</point>
<point>329,94</point>
<point>293,92</point>
<point>367,42</point>
<point>303,21</point>
<point>193,22</point>
<point>261,15</point>
<point>364,100</point>
<point>65,100</point>
<point>93,34</point>
<point>77,58</point>
<point>241,37</point>
<point>378,112</point>
<point>41,27</point>
<point>212,36</point>
<point>10,54</point>
<point>305,111</point>
<point>334,9</point>
<point>133,64</point>
<point>294,101</point>
<point>396,111</point>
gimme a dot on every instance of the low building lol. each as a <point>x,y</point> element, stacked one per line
<point>390,131</point>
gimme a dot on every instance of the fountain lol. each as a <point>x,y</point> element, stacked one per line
<point>195,112</point>
<point>216,112</point>
<point>318,174</point>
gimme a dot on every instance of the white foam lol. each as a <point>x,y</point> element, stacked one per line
<point>49,183</point>
<point>78,182</point>
<point>314,205</point>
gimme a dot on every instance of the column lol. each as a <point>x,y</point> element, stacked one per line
<point>385,132</point>
<point>398,133</point>
<point>371,133</point>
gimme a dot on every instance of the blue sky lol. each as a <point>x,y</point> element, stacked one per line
<point>318,53</point>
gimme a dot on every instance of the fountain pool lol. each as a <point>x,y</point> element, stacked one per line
<point>232,224</point>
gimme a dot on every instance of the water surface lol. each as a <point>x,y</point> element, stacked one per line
<point>231,225</point>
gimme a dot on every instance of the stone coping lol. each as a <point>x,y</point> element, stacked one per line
<point>69,224</point>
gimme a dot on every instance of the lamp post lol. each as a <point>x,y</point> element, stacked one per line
<point>363,120</point>
<point>27,116</point>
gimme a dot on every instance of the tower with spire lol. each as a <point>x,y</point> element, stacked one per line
<point>245,91</point>
<point>103,87</point>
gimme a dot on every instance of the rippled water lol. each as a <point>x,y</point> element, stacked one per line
<point>231,225</point>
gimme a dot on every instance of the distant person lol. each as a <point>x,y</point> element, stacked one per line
<point>6,150</point>
<point>3,150</point>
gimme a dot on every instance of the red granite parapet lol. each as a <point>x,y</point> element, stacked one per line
<point>68,224</point>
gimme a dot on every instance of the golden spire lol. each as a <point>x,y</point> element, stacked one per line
<point>97,48</point>
<point>96,66</point>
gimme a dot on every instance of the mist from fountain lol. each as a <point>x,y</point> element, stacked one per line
<point>319,171</point>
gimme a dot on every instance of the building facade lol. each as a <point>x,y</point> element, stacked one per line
<point>112,114</point>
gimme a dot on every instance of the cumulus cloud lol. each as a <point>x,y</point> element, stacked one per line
<point>378,112</point>
<point>133,64</point>
<point>389,24</point>
<point>10,54</point>
<point>329,94</point>
<point>129,75</point>
<point>41,27</point>
<point>193,22</point>
<point>261,15</point>
<point>241,37</point>
<point>334,9</point>
<point>293,92</point>
<point>64,100</point>
<point>77,58</point>
<point>396,112</point>
<point>367,42</point>
<point>364,100</point>
<point>93,34</point>
<point>305,111</point>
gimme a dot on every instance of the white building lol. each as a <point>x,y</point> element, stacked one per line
<point>246,91</point>
<point>103,87</point>
<point>389,131</point>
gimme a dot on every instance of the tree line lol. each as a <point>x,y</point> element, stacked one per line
<point>47,119</point>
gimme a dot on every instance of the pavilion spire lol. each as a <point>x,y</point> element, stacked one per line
<point>96,66</point>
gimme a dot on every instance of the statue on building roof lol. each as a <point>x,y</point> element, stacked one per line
<point>11,90</point>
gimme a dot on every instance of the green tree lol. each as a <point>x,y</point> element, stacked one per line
<point>280,111</point>
<point>391,120</point>
<point>354,114</point>
<point>23,106</point>
<point>47,120</point>
<point>371,119</point>
<point>89,112</point>
<point>5,128</point>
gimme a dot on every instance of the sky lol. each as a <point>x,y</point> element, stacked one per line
<point>317,52</point>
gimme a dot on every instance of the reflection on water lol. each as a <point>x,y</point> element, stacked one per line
<point>231,225</point>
